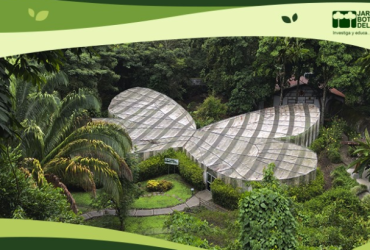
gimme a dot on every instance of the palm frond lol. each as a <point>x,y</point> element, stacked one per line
<point>67,169</point>
<point>40,107</point>
<point>21,90</point>
<point>32,140</point>
<point>84,170</point>
<point>61,127</point>
<point>94,149</point>
<point>82,100</point>
<point>54,80</point>
<point>34,166</point>
<point>111,134</point>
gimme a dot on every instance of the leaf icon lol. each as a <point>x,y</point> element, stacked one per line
<point>31,12</point>
<point>295,17</point>
<point>286,19</point>
<point>42,15</point>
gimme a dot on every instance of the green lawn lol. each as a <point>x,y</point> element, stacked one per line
<point>150,226</point>
<point>180,189</point>
<point>83,200</point>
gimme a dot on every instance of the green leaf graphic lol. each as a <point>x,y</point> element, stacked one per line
<point>42,15</point>
<point>295,17</point>
<point>31,12</point>
<point>286,19</point>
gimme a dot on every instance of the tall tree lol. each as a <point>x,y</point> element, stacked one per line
<point>25,67</point>
<point>272,60</point>
<point>228,71</point>
<point>58,134</point>
<point>94,71</point>
<point>335,67</point>
<point>162,66</point>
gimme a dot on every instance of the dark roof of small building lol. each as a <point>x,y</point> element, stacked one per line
<point>302,81</point>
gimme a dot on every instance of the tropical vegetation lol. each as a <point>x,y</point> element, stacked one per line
<point>48,139</point>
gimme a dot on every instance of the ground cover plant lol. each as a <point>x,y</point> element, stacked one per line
<point>84,200</point>
<point>150,226</point>
<point>177,195</point>
<point>328,142</point>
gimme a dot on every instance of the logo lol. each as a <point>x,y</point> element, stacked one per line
<point>344,19</point>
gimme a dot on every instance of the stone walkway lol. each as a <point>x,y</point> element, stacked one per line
<point>192,202</point>
<point>360,179</point>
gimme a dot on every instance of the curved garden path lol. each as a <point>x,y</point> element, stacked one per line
<point>194,201</point>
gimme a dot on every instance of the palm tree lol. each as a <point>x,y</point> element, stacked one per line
<point>60,142</point>
<point>362,163</point>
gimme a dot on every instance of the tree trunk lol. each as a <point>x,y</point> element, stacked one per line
<point>122,224</point>
<point>323,104</point>
<point>281,94</point>
<point>282,83</point>
<point>298,82</point>
<point>53,179</point>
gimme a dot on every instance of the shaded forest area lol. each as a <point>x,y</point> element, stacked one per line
<point>241,71</point>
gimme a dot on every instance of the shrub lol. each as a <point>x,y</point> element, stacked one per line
<point>342,178</point>
<point>152,167</point>
<point>211,110</point>
<point>329,140</point>
<point>189,170</point>
<point>159,186</point>
<point>366,200</point>
<point>318,145</point>
<point>333,154</point>
<point>359,189</point>
<point>306,192</point>
<point>266,221</point>
<point>337,217</point>
<point>349,203</point>
<point>165,185</point>
<point>225,195</point>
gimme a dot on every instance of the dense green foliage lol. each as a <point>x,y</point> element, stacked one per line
<point>308,191</point>
<point>363,150</point>
<point>189,170</point>
<point>152,167</point>
<point>328,142</point>
<point>210,111</point>
<point>22,198</point>
<point>337,218</point>
<point>341,178</point>
<point>266,221</point>
<point>265,215</point>
<point>225,195</point>
<point>185,229</point>
<point>58,140</point>
<point>229,71</point>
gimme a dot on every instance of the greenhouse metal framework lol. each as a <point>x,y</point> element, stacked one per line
<point>236,149</point>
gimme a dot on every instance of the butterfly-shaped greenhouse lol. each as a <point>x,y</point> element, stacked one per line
<point>236,149</point>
